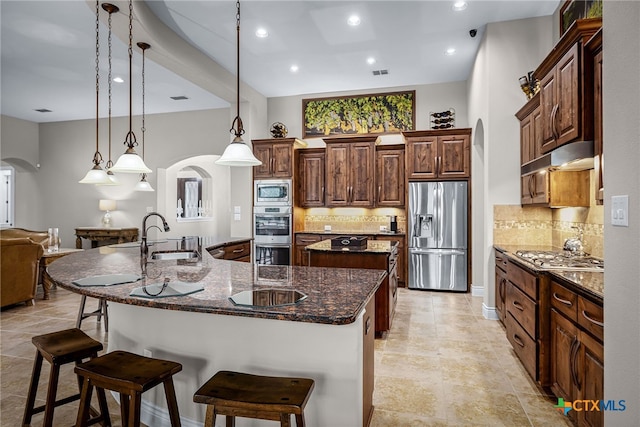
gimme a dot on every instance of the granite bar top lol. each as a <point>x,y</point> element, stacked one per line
<point>352,233</point>
<point>373,247</point>
<point>587,282</point>
<point>335,296</point>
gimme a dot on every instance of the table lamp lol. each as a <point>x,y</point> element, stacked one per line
<point>107,206</point>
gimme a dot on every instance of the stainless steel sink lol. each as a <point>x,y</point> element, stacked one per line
<point>171,255</point>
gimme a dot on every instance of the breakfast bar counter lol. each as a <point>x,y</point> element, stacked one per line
<point>325,336</point>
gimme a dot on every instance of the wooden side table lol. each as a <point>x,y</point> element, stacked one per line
<point>109,235</point>
<point>46,259</point>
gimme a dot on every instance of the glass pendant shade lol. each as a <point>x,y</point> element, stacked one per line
<point>238,154</point>
<point>130,162</point>
<point>95,176</point>
<point>111,179</point>
<point>143,185</point>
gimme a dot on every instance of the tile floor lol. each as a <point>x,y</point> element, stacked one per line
<point>442,364</point>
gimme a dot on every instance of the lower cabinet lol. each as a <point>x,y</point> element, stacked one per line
<point>402,258</point>
<point>236,251</point>
<point>501,285</point>
<point>302,240</point>
<point>577,352</point>
<point>368,362</point>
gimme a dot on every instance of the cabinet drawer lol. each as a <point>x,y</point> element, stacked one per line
<point>564,300</point>
<point>591,317</point>
<point>522,308</point>
<point>307,239</point>
<point>522,344</point>
<point>527,282</point>
<point>501,261</point>
<point>240,250</point>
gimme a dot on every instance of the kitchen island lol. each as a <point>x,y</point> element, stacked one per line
<point>374,254</point>
<point>326,336</point>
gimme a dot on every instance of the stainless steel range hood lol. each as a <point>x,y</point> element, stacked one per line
<point>574,156</point>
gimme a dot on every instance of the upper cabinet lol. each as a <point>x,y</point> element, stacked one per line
<point>276,156</point>
<point>309,179</point>
<point>438,154</point>
<point>566,88</point>
<point>390,175</point>
<point>349,175</point>
<point>530,130</point>
<point>595,47</point>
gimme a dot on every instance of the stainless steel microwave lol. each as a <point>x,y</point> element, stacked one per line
<point>269,192</point>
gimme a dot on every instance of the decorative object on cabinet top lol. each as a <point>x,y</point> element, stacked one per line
<point>443,119</point>
<point>529,84</point>
<point>278,130</point>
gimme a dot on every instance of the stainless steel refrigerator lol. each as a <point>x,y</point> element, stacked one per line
<point>437,232</point>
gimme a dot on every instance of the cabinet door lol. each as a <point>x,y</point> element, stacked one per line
<point>548,105</point>
<point>337,175</point>
<point>501,288</point>
<point>281,160</point>
<point>526,193</point>
<point>390,178</point>
<point>362,175</point>
<point>540,188</point>
<point>592,385</point>
<point>597,127</point>
<point>302,241</point>
<point>526,142</point>
<point>564,355</point>
<point>536,135</point>
<point>567,121</point>
<point>262,153</point>
<point>421,157</point>
<point>311,179</point>
<point>402,257</point>
<point>453,156</point>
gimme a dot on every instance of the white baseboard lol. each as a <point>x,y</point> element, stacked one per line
<point>477,290</point>
<point>489,312</point>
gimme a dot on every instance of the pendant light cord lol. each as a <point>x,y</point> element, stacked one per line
<point>109,162</point>
<point>97,157</point>
<point>236,127</point>
<point>130,140</point>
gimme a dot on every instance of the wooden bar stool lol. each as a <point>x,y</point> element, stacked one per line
<point>236,394</point>
<point>130,375</point>
<point>60,348</point>
<point>100,312</point>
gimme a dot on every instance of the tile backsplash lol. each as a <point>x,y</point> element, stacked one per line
<point>352,220</point>
<point>515,225</point>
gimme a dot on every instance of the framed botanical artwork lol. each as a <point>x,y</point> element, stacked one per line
<point>379,113</point>
<point>573,10</point>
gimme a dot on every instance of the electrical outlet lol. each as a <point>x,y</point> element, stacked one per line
<point>147,353</point>
<point>327,228</point>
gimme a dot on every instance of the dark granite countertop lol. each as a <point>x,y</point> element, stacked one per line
<point>373,247</point>
<point>586,282</point>
<point>334,295</point>
<point>353,233</point>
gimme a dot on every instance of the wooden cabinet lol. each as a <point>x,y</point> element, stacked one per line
<point>501,285</point>
<point>310,176</point>
<point>566,94</point>
<point>577,351</point>
<point>402,256</point>
<point>349,176</point>
<point>386,295</point>
<point>276,156</point>
<point>527,320</point>
<point>302,240</point>
<point>390,176</point>
<point>530,130</point>
<point>595,47</point>
<point>368,361</point>
<point>438,154</point>
<point>235,251</point>
<point>555,188</point>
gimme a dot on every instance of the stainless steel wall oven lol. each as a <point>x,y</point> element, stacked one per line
<point>272,234</point>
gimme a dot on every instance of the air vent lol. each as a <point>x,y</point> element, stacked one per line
<point>179,98</point>
<point>43,110</point>
<point>380,72</point>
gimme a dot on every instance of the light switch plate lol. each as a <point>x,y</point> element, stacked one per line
<point>620,211</point>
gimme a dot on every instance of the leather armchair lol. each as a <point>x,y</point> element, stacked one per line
<point>19,255</point>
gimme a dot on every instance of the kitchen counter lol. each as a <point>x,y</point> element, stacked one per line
<point>352,233</point>
<point>588,283</point>
<point>372,247</point>
<point>325,337</point>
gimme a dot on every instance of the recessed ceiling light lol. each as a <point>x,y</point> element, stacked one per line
<point>118,80</point>
<point>459,5</point>
<point>262,33</point>
<point>294,68</point>
<point>353,20</point>
<point>450,51</point>
<point>371,60</point>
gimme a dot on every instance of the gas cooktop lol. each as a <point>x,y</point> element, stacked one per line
<point>549,260</point>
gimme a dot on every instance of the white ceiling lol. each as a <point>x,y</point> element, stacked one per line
<point>48,50</point>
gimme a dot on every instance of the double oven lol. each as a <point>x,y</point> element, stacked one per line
<point>272,221</point>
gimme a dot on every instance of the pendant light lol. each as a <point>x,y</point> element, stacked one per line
<point>96,175</point>
<point>113,179</point>
<point>143,185</point>
<point>130,161</point>
<point>238,153</point>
